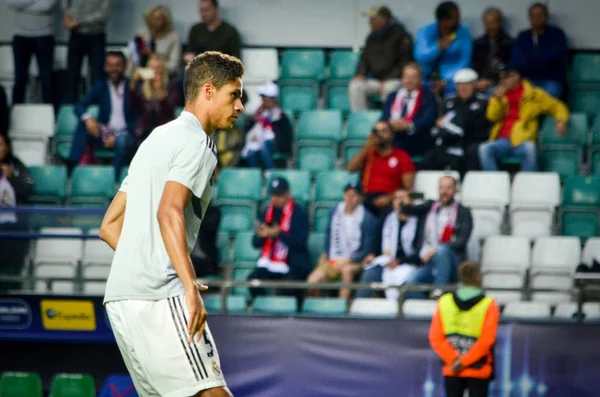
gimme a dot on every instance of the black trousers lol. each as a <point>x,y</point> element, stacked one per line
<point>455,387</point>
<point>23,49</point>
<point>80,46</point>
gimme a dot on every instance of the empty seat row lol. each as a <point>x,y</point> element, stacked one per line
<point>29,384</point>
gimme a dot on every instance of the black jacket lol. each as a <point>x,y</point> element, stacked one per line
<point>417,242</point>
<point>20,180</point>
<point>469,124</point>
<point>284,133</point>
<point>486,63</point>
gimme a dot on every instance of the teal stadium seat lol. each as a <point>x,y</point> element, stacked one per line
<point>72,385</point>
<point>564,154</point>
<point>585,101</point>
<point>236,219</point>
<point>337,99</point>
<point>239,186</point>
<point>298,99</point>
<point>325,306</point>
<point>49,184</point>
<point>321,217</point>
<point>66,125</point>
<point>594,150</point>
<point>329,190</point>
<point>358,127</point>
<point>299,181</point>
<point>92,184</point>
<point>124,173</point>
<point>580,211</point>
<point>285,305</point>
<point>234,304</point>
<point>319,128</point>
<point>302,66</point>
<point>244,253</point>
<point>585,69</point>
<point>342,66</point>
<point>316,245</point>
<point>316,159</point>
<point>241,274</point>
<point>20,384</point>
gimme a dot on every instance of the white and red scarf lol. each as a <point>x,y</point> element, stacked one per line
<point>262,130</point>
<point>400,100</point>
<point>274,253</point>
<point>445,235</point>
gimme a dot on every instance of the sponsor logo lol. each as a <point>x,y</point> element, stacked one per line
<point>14,314</point>
<point>66,315</point>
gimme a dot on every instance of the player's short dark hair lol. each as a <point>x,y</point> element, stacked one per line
<point>539,5</point>
<point>445,9</point>
<point>214,2</point>
<point>118,54</point>
<point>468,274</point>
<point>210,67</point>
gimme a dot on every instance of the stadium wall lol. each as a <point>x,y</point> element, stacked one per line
<point>333,23</point>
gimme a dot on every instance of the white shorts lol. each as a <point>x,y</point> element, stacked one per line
<point>153,340</point>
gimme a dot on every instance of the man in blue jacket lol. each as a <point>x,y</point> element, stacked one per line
<point>443,47</point>
<point>282,237</point>
<point>540,53</point>
<point>115,120</point>
<point>351,236</point>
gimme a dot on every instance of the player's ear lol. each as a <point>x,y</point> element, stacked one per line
<point>208,90</point>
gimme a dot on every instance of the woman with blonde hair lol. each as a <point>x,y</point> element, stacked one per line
<point>156,37</point>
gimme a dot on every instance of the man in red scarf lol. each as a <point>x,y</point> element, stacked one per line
<point>282,237</point>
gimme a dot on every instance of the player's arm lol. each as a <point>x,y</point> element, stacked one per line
<point>110,230</point>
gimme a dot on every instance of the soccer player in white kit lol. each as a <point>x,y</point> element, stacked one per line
<point>152,297</point>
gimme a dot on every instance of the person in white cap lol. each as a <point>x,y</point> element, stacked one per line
<point>271,131</point>
<point>461,128</point>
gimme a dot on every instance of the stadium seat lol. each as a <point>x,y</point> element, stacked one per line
<point>236,219</point>
<point>418,309</point>
<point>325,306</point>
<point>49,184</point>
<point>92,184</point>
<point>580,212</point>
<point>275,305</point>
<point>329,191</point>
<point>31,153</point>
<point>585,69</point>
<point>319,128</point>
<point>585,101</point>
<point>31,122</point>
<point>342,66</point>
<point>96,288</point>
<point>234,304</point>
<point>57,258</point>
<point>504,263</point>
<point>320,218</point>
<point>302,66</point>
<point>299,184</point>
<point>316,159</point>
<point>358,127</point>
<point>553,263</point>
<point>316,245</point>
<point>298,99</point>
<point>374,307</point>
<point>565,163</point>
<point>20,384</point>
<point>224,248</point>
<point>594,149</point>
<point>260,65</point>
<point>568,312</point>
<point>66,122</point>
<point>337,99</point>
<point>72,385</point>
<point>581,224</point>
<point>96,251</point>
<point>591,250</point>
<point>7,68</point>
<point>486,194</point>
<point>241,274</point>
<point>349,153</point>
<point>239,186</point>
<point>526,311</point>
<point>428,182</point>
<point>575,137</point>
<point>244,253</point>
<point>534,198</point>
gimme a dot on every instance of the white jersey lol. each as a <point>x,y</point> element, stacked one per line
<point>178,151</point>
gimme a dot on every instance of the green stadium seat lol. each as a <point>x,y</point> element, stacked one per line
<point>244,253</point>
<point>575,138</point>
<point>241,186</point>
<point>337,99</point>
<point>63,149</point>
<point>582,224</point>
<point>299,184</point>
<point>594,150</point>
<point>585,68</point>
<point>49,184</point>
<point>124,173</point>
<point>342,66</point>
<point>66,122</point>
<point>298,99</point>
<point>581,191</point>
<point>241,274</point>
<point>20,384</point>
<point>92,184</point>
<point>358,128</point>
<point>302,66</point>
<point>561,162</point>
<point>234,304</point>
<point>321,217</point>
<point>329,187</point>
<point>585,101</point>
<point>349,153</point>
<point>580,212</point>
<point>275,305</point>
<point>319,128</point>
<point>224,247</point>
<point>325,306</point>
<point>72,385</point>
<point>236,219</point>
<point>316,159</point>
<point>316,244</point>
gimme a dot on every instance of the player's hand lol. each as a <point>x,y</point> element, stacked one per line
<point>393,264</point>
<point>196,312</point>
<point>457,366</point>
<point>92,127</point>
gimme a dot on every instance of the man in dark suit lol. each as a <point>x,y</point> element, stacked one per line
<point>115,118</point>
<point>412,112</point>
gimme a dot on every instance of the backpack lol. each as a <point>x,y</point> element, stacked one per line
<point>118,386</point>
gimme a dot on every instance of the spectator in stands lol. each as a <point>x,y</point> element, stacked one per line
<point>33,35</point>
<point>153,97</point>
<point>157,37</point>
<point>230,142</point>
<point>401,239</point>
<point>515,108</point>
<point>411,112</point>
<point>271,131</point>
<point>350,238</point>
<point>463,334</point>
<point>15,172</point>
<point>205,255</point>
<point>491,50</point>
<point>540,53</point>
<point>282,237</point>
<point>384,169</point>
<point>461,128</point>
<point>212,34</point>
<point>443,47</point>
<point>387,49</point>
<point>447,230</point>
<point>4,112</point>
<point>86,20</point>
<point>116,119</point>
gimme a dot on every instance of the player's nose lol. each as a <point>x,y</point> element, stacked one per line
<point>239,106</point>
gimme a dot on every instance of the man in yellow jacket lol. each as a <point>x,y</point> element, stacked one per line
<point>463,334</point>
<point>515,108</point>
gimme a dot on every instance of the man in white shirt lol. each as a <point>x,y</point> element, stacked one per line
<point>152,297</point>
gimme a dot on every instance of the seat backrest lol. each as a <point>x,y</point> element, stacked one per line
<point>586,68</point>
<point>72,385</point>
<point>260,64</point>
<point>556,253</point>
<point>418,309</point>
<point>31,153</point>
<point>316,159</point>
<point>342,64</point>
<point>577,131</point>
<point>275,305</point>
<point>59,249</point>
<point>360,124</point>
<point>585,101</point>
<point>243,250</point>
<point>485,189</point>
<point>316,246</point>
<point>329,186</point>
<point>49,181</point>
<point>374,307</point>
<point>428,182</point>
<point>302,65</point>
<point>328,306</point>
<point>298,99</point>
<point>66,121</point>
<point>568,311</point>
<point>240,184</point>
<point>96,251</point>
<point>504,253</point>
<point>93,182</point>
<point>298,180</point>
<point>29,119</point>
<point>20,384</point>
<point>320,125</point>
<point>535,190</point>
<point>7,65</point>
<point>591,250</point>
<point>527,311</point>
<point>581,191</point>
